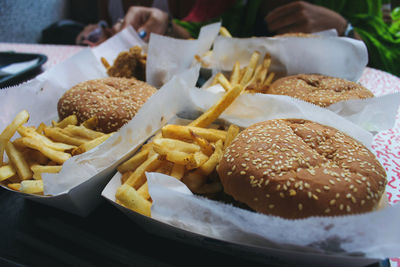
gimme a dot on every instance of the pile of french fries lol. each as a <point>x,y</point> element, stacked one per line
<point>189,153</point>
<point>255,78</point>
<point>42,149</point>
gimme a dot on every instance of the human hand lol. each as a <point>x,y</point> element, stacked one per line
<point>144,20</point>
<point>304,17</point>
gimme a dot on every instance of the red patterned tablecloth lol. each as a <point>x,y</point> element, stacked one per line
<point>386,144</point>
<point>55,53</point>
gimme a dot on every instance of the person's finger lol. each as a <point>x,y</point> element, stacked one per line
<point>284,10</point>
<point>291,19</point>
<point>117,27</point>
<point>156,23</point>
<point>136,17</point>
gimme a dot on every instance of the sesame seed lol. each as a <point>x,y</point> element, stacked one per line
<point>327,210</point>
<point>348,209</point>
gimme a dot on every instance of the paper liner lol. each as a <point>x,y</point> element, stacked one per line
<point>169,56</point>
<point>77,187</point>
<point>329,55</point>
<point>372,114</point>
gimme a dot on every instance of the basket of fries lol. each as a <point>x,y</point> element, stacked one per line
<point>169,185</point>
<point>54,161</point>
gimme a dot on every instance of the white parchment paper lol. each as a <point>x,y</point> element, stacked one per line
<point>169,56</point>
<point>372,114</point>
<point>329,55</point>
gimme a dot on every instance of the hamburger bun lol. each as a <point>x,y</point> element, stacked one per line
<point>114,101</point>
<point>296,168</point>
<point>318,89</point>
<point>296,34</point>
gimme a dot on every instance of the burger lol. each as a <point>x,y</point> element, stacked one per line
<point>113,101</point>
<point>296,168</point>
<point>318,89</point>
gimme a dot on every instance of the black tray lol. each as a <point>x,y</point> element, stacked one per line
<point>7,58</point>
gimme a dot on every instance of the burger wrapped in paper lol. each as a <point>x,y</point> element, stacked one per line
<point>296,168</point>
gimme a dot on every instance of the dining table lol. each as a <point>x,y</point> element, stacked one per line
<point>36,235</point>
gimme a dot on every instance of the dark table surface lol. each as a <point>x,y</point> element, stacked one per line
<point>33,234</point>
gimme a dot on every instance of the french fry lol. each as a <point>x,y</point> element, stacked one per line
<point>267,61</point>
<point>215,80</point>
<point>30,132</point>
<point>213,113</point>
<point>194,180</point>
<point>196,160</point>
<point>177,145</point>
<point>36,156</point>
<point>177,157</point>
<point>235,75</point>
<point>40,128</point>
<point>269,79</point>
<point>261,78</point>
<point>209,166</point>
<point>249,70</point>
<point>18,161</point>
<point>201,61</point>
<point>2,147</point>
<point>205,146</point>
<point>90,144</point>
<point>178,171</point>
<point>31,186</point>
<point>224,32</point>
<point>233,130</point>
<point>20,119</point>
<point>14,186</point>
<point>137,178</point>
<point>70,120</point>
<point>82,131</point>
<point>57,156</point>
<point>222,80</point>
<point>165,167</point>
<point>210,188</point>
<point>144,191</point>
<point>132,163</point>
<point>182,132</point>
<point>36,168</point>
<point>90,123</point>
<point>105,63</point>
<point>255,76</point>
<point>131,199</point>
<point>58,135</point>
<point>125,176</point>
<point>6,172</point>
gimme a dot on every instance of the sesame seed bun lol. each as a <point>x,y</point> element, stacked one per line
<point>296,168</point>
<point>318,89</point>
<point>114,101</point>
<point>297,34</point>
